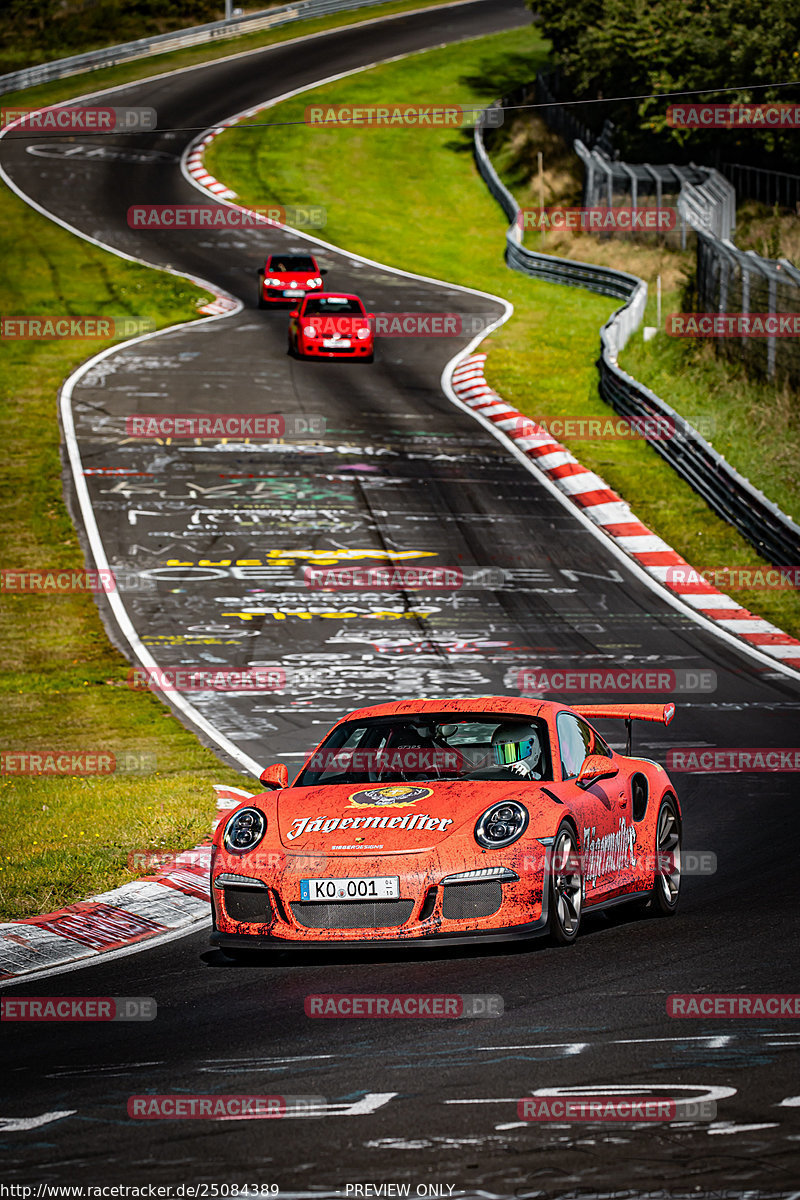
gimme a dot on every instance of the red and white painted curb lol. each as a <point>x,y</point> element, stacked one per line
<point>610,512</point>
<point>195,168</point>
<point>175,899</point>
<point>194,165</point>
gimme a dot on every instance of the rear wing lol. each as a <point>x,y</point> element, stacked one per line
<point>627,713</point>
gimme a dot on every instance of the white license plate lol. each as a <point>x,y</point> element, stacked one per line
<point>293,292</point>
<point>381,887</point>
<point>334,344</point>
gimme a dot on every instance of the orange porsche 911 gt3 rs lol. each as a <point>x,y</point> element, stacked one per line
<point>445,821</point>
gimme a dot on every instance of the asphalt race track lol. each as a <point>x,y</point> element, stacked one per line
<point>399,469</point>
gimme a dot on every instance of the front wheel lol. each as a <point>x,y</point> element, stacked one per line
<point>667,883</point>
<point>565,888</point>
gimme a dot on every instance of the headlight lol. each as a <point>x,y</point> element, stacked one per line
<point>501,824</point>
<point>313,282</point>
<point>272,282</point>
<point>310,331</point>
<point>244,830</point>
<point>362,333</point>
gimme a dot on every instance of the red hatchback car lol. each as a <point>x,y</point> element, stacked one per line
<point>328,325</point>
<point>288,277</point>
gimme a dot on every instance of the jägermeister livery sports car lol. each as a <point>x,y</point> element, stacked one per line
<point>449,820</point>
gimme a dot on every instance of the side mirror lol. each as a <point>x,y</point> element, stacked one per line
<point>295,312</point>
<point>276,776</point>
<point>595,766</point>
<point>323,270</point>
<point>260,272</point>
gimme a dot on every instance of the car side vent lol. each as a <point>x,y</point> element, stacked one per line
<point>640,793</point>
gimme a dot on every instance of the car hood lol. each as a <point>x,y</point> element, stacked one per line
<point>394,819</point>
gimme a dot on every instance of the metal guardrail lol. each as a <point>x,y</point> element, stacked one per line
<point>604,280</point>
<point>178,39</point>
<point>773,534</point>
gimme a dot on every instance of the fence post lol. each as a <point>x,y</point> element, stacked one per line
<point>772,342</point>
<point>745,300</point>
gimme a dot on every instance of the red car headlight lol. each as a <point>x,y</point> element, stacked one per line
<point>310,331</point>
<point>362,333</point>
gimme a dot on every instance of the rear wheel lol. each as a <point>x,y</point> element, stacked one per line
<point>667,883</point>
<point>566,888</point>
<point>261,301</point>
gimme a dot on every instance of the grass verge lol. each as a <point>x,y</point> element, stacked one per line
<point>424,183</point>
<point>62,684</point>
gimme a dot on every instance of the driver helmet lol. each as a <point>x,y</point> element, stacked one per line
<point>516,743</point>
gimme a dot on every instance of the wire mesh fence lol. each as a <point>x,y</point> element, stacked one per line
<point>729,281</point>
<point>759,183</point>
<point>733,281</point>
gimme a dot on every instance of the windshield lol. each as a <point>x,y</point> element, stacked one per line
<point>331,304</point>
<point>437,746</point>
<point>290,263</point>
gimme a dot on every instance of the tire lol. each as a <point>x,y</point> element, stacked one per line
<point>261,301</point>
<point>663,900</point>
<point>565,888</point>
